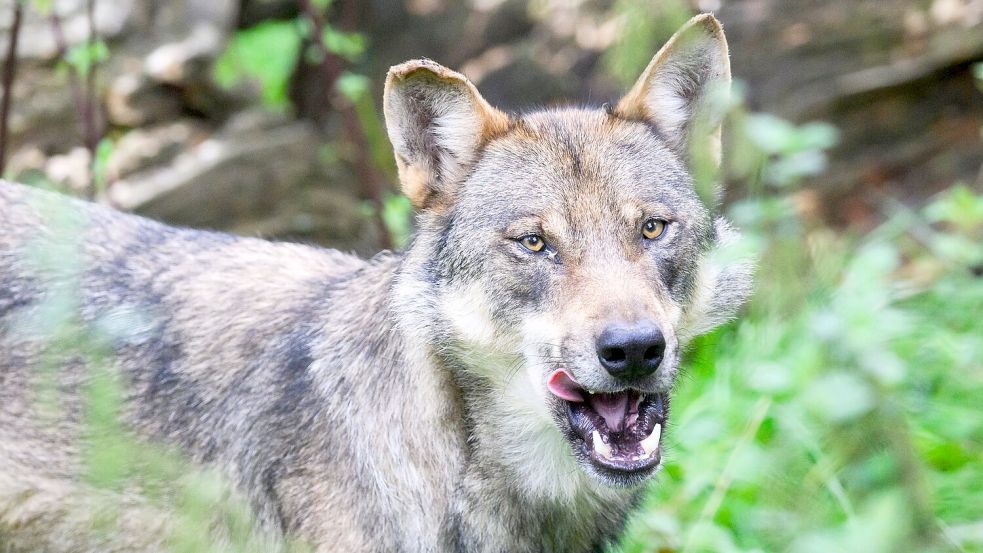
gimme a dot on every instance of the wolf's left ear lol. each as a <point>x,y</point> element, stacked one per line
<point>437,121</point>
<point>674,91</point>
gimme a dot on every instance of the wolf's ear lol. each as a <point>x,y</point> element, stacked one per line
<point>674,91</point>
<point>437,121</point>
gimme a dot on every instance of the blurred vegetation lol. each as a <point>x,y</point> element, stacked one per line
<point>198,507</point>
<point>842,412</point>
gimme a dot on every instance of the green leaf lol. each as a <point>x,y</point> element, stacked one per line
<point>83,57</point>
<point>397,214</point>
<point>347,45</point>
<point>840,396</point>
<point>267,54</point>
<point>100,164</point>
<point>352,86</point>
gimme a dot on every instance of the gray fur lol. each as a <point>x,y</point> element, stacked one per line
<point>394,404</point>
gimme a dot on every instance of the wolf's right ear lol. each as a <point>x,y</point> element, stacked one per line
<point>675,90</point>
<point>437,121</point>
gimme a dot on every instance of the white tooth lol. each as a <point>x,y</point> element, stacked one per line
<point>601,447</point>
<point>651,443</point>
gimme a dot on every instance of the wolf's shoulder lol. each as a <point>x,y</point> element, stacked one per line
<point>32,218</point>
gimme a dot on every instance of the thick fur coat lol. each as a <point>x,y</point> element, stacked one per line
<point>408,402</point>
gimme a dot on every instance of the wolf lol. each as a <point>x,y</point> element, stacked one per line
<point>502,385</point>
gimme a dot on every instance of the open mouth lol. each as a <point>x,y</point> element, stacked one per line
<point>620,432</point>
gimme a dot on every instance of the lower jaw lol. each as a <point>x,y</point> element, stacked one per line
<point>634,446</point>
<point>619,475</point>
<point>637,465</point>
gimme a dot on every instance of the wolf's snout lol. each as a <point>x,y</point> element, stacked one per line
<point>631,351</point>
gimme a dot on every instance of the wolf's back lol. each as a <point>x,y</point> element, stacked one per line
<point>212,336</point>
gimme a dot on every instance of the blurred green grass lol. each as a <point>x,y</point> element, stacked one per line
<point>844,410</point>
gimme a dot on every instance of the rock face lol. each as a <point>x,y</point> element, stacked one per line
<point>248,178</point>
<point>894,76</point>
<point>185,151</point>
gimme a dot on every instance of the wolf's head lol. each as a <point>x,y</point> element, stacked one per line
<point>564,257</point>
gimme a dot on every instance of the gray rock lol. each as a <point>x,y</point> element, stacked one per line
<point>133,100</point>
<point>37,41</point>
<point>187,60</point>
<point>71,170</point>
<point>141,149</point>
<point>262,181</point>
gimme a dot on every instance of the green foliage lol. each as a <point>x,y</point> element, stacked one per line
<point>206,515</point>
<point>766,150</point>
<point>645,27</point>
<point>266,53</point>
<point>83,57</point>
<point>841,412</point>
<point>397,214</point>
<point>794,151</point>
<point>42,6</point>
<point>350,46</point>
<point>100,164</point>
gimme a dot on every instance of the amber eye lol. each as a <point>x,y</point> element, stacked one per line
<point>654,228</point>
<point>533,242</point>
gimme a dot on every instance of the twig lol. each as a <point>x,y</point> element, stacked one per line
<point>9,73</point>
<point>84,99</point>
<point>91,122</point>
<point>332,66</point>
<point>61,46</point>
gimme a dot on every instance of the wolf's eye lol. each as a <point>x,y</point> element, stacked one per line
<point>654,228</point>
<point>533,242</point>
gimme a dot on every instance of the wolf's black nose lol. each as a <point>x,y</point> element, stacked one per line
<point>631,351</point>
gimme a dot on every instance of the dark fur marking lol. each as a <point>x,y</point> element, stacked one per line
<point>670,275</point>
<point>271,476</point>
<point>296,382</point>
<point>10,302</point>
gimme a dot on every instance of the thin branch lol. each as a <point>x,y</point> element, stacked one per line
<point>92,124</point>
<point>74,84</point>
<point>85,100</point>
<point>9,73</point>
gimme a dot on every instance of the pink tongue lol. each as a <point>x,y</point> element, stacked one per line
<point>612,407</point>
<point>563,386</point>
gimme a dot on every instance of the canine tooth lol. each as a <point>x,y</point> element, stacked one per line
<point>601,447</point>
<point>651,443</point>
